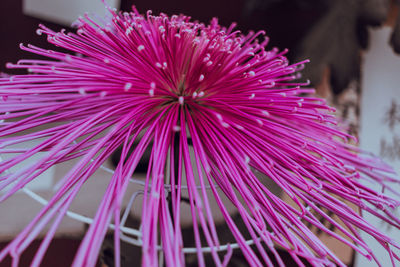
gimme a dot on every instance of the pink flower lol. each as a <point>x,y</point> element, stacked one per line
<point>172,79</point>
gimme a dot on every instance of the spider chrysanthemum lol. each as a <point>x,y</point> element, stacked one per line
<point>216,108</point>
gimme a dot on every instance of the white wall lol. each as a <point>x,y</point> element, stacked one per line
<point>65,11</point>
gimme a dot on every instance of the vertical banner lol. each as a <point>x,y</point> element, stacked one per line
<point>380,122</point>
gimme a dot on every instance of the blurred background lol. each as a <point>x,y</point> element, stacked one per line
<point>353,46</point>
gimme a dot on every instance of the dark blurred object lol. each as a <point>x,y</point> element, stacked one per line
<point>61,253</point>
<point>338,38</point>
<point>395,38</point>
<point>331,33</point>
<point>143,162</point>
<point>286,22</point>
<point>373,12</point>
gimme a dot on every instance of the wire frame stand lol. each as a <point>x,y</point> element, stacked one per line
<point>132,235</point>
